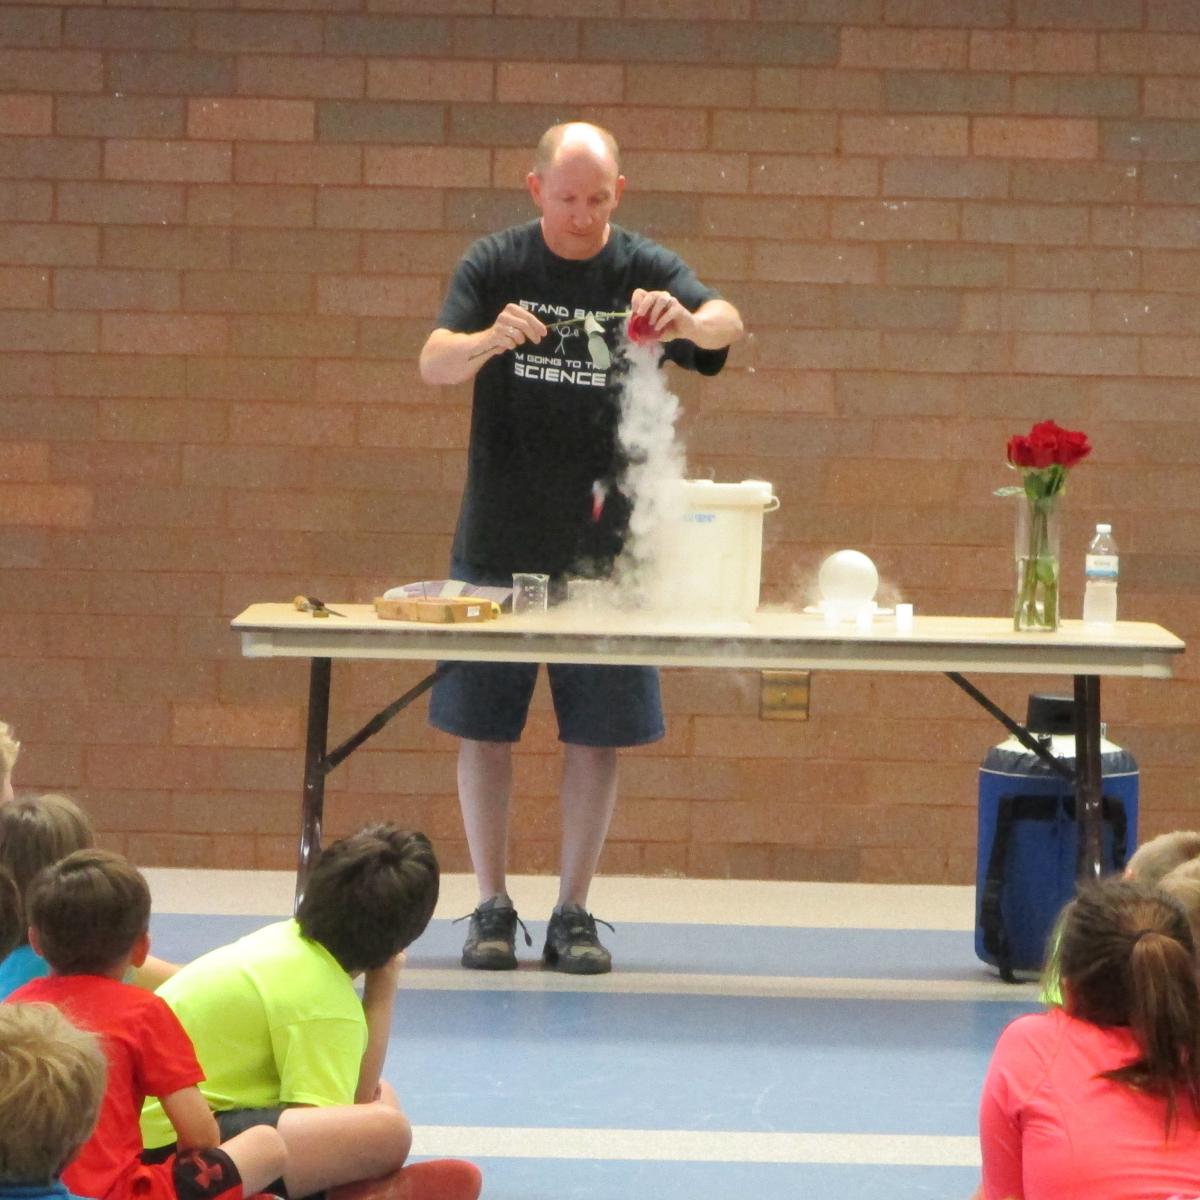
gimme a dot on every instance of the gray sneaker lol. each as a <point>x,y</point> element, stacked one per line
<point>572,944</point>
<point>492,935</point>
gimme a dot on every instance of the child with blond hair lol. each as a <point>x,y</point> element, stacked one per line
<point>9,749</point>
<point>51,1084</point>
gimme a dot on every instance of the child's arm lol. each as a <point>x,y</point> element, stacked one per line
<point>379,995</point>
<point>153,972</point>
<point>195,1126</point>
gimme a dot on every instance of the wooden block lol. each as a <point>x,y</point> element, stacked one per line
<point>440,611</point>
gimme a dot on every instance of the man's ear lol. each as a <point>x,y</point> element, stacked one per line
<point>618,190</point>
<point>35,941</point>
<point>533,181</point>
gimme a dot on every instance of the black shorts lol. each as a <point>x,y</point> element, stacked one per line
<point>595,705</point>
<point>193,1175</point>
<point>230,1124</point>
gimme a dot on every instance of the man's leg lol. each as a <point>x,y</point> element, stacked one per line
<point>485,795</point>
<point>484,705</point>
<point>599,709</point>
<point>588,797</point>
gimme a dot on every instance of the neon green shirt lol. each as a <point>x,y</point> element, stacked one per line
<point>275,1021</point>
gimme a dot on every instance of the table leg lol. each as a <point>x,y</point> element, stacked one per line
<point>312,803</point>
<point>1088,782</point>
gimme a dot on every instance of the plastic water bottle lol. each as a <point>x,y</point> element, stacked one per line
<point>1101,568</point>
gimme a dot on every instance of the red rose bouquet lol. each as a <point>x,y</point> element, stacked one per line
<point>1045,455</point>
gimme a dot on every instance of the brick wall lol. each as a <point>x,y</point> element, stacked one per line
<point>224,228</point>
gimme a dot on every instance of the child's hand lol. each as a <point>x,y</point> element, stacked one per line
<point>383,980</point>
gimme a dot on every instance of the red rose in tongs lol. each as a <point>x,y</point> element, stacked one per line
<point>640,331</point>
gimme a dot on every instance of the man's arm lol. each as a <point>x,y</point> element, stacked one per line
<point>448,357</point>
<point>195,1126</point>
<point>713,326</point>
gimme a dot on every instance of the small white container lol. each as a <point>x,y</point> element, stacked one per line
<point>715,553</point>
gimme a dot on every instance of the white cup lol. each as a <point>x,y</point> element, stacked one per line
<point>904,618</point>
<point>531,594</point>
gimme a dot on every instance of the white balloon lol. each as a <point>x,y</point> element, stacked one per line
<point>848,577</point>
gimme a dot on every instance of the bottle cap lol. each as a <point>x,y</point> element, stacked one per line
<point>1104,529</point>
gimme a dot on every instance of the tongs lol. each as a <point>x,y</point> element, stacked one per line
<point>591,323</point>
<point>598,316</point>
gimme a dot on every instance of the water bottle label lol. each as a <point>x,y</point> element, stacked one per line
<point>1101,566</point>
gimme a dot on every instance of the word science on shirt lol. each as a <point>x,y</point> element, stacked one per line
<point>564,355</point>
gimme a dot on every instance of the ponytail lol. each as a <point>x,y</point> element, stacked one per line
<point>1165,1019</point>
<point>1128,959</point>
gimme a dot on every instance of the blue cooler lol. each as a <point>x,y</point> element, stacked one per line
<point>1028,847</point>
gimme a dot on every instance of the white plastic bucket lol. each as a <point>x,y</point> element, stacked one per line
<point>716,553</point>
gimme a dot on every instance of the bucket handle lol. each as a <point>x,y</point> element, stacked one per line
<point>771,505</point>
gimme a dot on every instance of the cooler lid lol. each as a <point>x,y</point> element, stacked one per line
<point>1050,714</point>
<point>706,493</point>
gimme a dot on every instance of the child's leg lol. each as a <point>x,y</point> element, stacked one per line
<point>260,1156</point>
<point>328,1146</point>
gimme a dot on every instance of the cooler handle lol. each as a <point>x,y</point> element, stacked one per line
<point>772,504</point>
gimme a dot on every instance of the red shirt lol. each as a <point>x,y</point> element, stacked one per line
<point>149,1054</point>
<point>1051,1129</point>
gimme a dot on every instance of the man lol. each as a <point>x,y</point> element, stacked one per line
<point>533,316</point>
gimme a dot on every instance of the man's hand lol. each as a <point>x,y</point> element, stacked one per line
<point>666,316</point>
<point>448,357</point>
<point>512,328</point>
<point>713,326</point>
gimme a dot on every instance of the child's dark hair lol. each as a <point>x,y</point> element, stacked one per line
<point>12,920</point>
<point>34,832</point>
<point>1128,959</point>
<point>88,911</point>
<point>370,895</point>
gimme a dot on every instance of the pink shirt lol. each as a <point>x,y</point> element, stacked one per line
<point>1051,1130</point>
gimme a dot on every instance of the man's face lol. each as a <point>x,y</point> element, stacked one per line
<point>576,195</point>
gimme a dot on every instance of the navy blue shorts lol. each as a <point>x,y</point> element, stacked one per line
<point>595,705</point>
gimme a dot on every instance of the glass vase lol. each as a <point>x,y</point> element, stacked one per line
<point>1036,607</point>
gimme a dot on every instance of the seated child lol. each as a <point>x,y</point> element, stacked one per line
<point>1183,885</point>
<point>9,749</point>
<point>51,1085</point>
<point>34,832</point>
<point>1149,864</point>
<point>1101,1097</point>
<point>89,915</point>
<point>1154,859</point>
<point>283,1037</point>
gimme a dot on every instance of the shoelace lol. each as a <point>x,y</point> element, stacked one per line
<point>493,924</point>
<point>583,922</point>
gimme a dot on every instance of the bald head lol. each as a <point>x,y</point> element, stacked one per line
<point>576,138</point>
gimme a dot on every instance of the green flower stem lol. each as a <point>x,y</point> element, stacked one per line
<point>1037,572</point>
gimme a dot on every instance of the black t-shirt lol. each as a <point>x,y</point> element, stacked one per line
<point>544,417</point>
